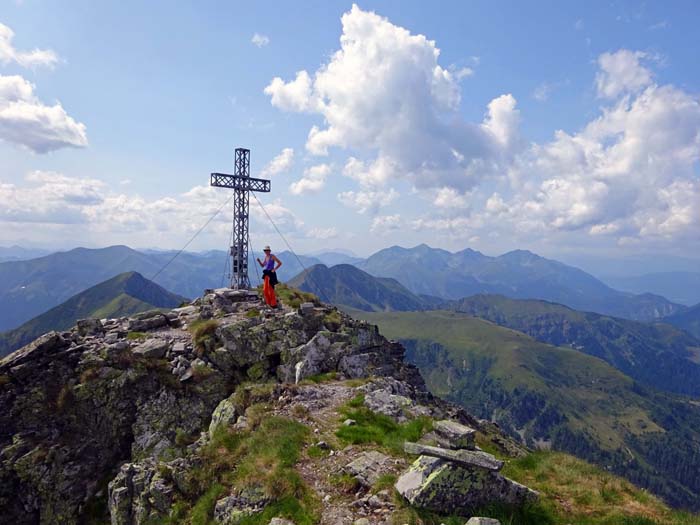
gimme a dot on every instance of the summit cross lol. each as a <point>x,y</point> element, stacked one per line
<point>242,184</point>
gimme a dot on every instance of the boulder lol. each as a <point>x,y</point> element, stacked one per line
<point>224,414</point>
<point>154,348</point>
<point>149,320</point>
<point>368,466</point>
<point>232,509</point>
<point>384,402</point>
<point>138,494</point>
<point>467,458</point>
<point>458,435</point>
<point>482,521</point>
<point>45,345</point>
<point>306,308</point>
<point>442,486</point>
<point>90,327</point>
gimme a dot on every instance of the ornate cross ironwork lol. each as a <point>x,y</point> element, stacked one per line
<point>242,184</point>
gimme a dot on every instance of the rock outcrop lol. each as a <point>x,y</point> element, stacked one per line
<point>116,412</point>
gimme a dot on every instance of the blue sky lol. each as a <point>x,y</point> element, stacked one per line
<point>552,126</point>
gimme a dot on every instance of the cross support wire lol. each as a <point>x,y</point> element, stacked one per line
<point>242,184</point>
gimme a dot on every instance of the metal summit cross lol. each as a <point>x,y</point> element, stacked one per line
<point>242,183</point>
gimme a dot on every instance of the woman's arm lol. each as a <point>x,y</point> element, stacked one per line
<point>260,262</point>
<point>279,263</point>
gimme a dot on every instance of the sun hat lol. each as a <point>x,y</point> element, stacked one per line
<point>266,249</point>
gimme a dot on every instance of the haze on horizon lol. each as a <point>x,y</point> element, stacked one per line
<point>565,129</point>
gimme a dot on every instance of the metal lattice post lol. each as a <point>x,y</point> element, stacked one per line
<point>242,184</point>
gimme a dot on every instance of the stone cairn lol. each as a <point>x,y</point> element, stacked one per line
<point>444,477</point>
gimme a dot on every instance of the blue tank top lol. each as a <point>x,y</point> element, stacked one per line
<point>269,263</point>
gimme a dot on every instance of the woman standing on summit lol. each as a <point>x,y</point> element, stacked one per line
<point>269,276</point>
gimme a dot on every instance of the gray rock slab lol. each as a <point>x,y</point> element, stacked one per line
<point>469,458</point>
<point>368,466</point>
<point>280,521</point>
<point>460,436</point>
<point>306,308</point>
<point>482,521</point>
<point>90,327</point>
<point>46,344</point>
<point>446,487</point>
<point>153,348</point>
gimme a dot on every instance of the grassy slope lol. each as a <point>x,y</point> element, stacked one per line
<point>555,395</point>
<point>579,493</point>
<point>657,355</point>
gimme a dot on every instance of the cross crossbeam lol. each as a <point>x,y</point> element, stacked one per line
<point>223,180</point>
<point>242,184</point>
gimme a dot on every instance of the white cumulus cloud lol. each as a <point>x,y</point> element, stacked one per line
<point>260,40</point>
<point>622,72</point>
<point>29,59</point>
<point>26,121</point>
<point>368,201</point>
<point>279,164</point>
<point>384,94</point>
<point>385,224</point>
<point>313,180</point>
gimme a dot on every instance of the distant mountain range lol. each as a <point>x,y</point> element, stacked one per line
<point>556,397</point>
<point>18,253</point>
<point>29,288</point>
<point>518,274</point>
<point>657,355</point>
<point>123,295</point>
<point>680,287</point>
<point>349,286</point>
<point>335,258</point>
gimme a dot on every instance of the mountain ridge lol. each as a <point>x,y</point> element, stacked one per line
<point>657,355</point>
<point>519,274</point>
<point>346,285</point>
<point>125,294</point>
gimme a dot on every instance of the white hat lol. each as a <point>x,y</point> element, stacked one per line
<point>266,248</point>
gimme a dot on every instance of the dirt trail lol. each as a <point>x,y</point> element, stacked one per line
<point>342,501</point>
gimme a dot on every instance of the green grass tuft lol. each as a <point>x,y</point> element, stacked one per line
<point>203,333</point>
<point>203,510</point>
<point>293,297</point>
<point>371,427</point>
<point>253,312</point>
<point>263,458</point>
<point>135,336</point>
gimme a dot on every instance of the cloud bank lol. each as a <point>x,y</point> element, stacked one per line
<point>630,174</point>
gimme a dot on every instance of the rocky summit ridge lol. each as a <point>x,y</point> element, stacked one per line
<point>200,413</point>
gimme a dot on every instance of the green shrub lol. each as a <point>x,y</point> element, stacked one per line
<point>253,312</point>
<point>135,336</point>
